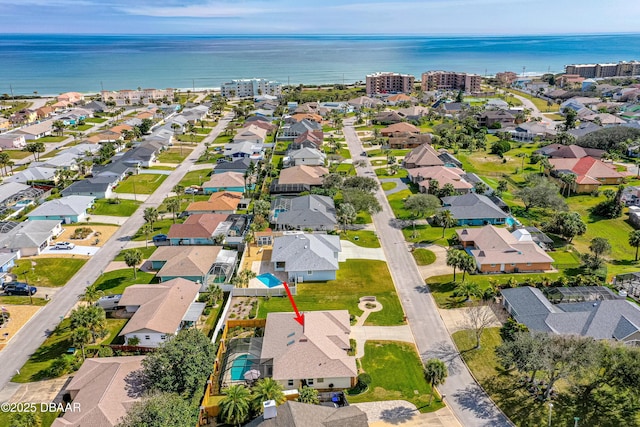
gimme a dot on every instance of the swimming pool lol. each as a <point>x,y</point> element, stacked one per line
<point>269,280</point>
<point>240,366</point>
<point>510,221</point>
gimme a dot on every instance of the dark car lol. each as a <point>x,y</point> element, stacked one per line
<point>17,288</point>
<point>160,238</point>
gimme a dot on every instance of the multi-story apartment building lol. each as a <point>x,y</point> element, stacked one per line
<point>506,77</point>
<point>250,87</point>
<point>132,97</point>
<point>620,69</point>
<point>389,83</point>
<point>449,80</point>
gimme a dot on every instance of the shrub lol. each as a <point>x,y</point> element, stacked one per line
<point>364,379</point>
<point>133,341</point>
<point>60,366</point>
<point>81,233</point>
<point>5,316</point>
<point>500,147</point>
<point>105,352</point>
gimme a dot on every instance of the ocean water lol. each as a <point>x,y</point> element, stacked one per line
<point>50,64</point>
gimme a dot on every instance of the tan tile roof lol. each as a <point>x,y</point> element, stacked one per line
<point>316,351</point>
<point>225,179</point>
<point>185,260</point>
<point>145,115</point>
<point>105,391</point>
<point>312,175</point>
<point>120,128</point>
<point>424,155</point>
<point>197,225</point>
<point>220,201</point>
<point>586,166</point>
<point>250,131</point>
<point>161,306</point>
<point>400,97</point>
<point>399,127</point>
<point>309,116</point>
<point>498,246</point>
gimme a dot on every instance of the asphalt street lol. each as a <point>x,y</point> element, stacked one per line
<point>33,334</point>
<point>465,397</point>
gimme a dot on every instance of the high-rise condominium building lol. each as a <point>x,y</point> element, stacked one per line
<point>449,80</point>
<point>389,83</point>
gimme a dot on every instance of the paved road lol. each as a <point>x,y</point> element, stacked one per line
<point>466,398</point>
<point>31,336</point>
<point>535,112</point>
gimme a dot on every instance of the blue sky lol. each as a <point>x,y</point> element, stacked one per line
<point>319,17</point>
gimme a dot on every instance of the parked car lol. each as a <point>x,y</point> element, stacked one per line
<point>109,302</point>
<point>222,161</point>
<point>160,238</point>
<point>64,245</point>
<point>364,154</point>
<point>190,190</point>
<point>18,288</point>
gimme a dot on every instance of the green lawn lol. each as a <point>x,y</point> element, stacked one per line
<point>195,177</point>
<point>48,272</point>
<point>174,155</point>
<point>116,281</point>
<point>159,227</point>
<point>46,418</point>
<point>386,186</point>
<point>20,300</point>
<point>397,374</point>
<point>356,278</point>
<point>424,256</point>
<point>540,104</point>
<point>346,169</point>
<point>223,139</point>
<point>123,208</point>
<point>202,131</point>
<point>146,252</point>
<point>382,173</point>
<point>53,347</point>
<point>381,153</point>
<point>425,233</point>
<point>565,258</point>
<point>396,201</point>
<point>364,238</point>
<point>53,138</point>
<point>195,138</point>
<point>484,163</point>
<point>363,218</point>
<point>95,120</point>
<point>17,154</point>
<point>554,116</point>
<point>144,184</point>
<point>81,128</point>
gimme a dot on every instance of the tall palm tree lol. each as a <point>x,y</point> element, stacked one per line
<point>435,372</point>
<point>467,265</point>
<point>91,317</point>
<point>150,215</point>
<point>241,279</point>
<point>446,220</point>
<point>453,260</point>
<point>267,389</point>
<point>467,290</point>
<point>634,241</point>
<point>173,205</point>
<point>132,259</point>
<point>4,161</point>
<point>80,337</point>
<point>91,294</point>
<point>235,405</point>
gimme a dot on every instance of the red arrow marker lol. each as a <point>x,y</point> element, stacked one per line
<point>299,317</point>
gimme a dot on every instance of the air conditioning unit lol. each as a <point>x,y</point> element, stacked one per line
<point>270,409</point>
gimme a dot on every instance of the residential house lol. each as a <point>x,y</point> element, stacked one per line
<point>387,117</point>
<point>238,165</point>
<point>496,104</point>
<point>8,258</point>
<point>301,115</point>
<point>363,102</point>
<point>496,250</point>
<point>23,116</point>
<point>70,209</point>
<point>307,156</point>
<point>4,124</point>
<point>422,156</point>
<point>222,202</point>
<point>293,130</point>
<point>234,228</point>
<point>426,177</point>
<point>34,174</point>
<point>496,118</point>
<point>451,108</point>
<point>100,187</point>
<point>559,151</point>
<point>96,106</point>
<point>592,311</point>
<point>29,238</point>
<point>251,133</point>
<point>399,98</point>
<point>245,149</point>
<point>198,229</point>
<point>12,141</point>
<point>160,311</point>
<point>590,173</point>
<point>200,264</point>
<point>36,131</point>
<point>408,140</point>
<point>71,97</point>
<point>308,139</point>
<point>104,390</point>
<point>314,355</point>
<point>307,257</point>
<point>474,209</point>
<point>528,131</point>
<point>118,170</point>
<point>399,128</point>
<point>226,181</point>
<point>44,112</point>
<point>584,129</point>
<point>305,212</point>
<point>414,113</point>
<point>298,414</point>
<point>297,179</point>
<point>266,125</point>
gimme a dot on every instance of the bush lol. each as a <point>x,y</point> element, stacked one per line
<point>105,352</point>
<point>5,316</point>
<point>81,233</point>
<point>500,147</point>
<point>133,341</point>
<point>60,366</point>
<point>364,379</point>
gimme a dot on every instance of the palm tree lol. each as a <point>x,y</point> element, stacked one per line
<point>4,161</point>
<point>267,389</point>
<point>146,230</point>
<point>435,372</point>
<point>179,190</point>
<point>150,215</point>
<point>80,337</point>
<point>132,258</point>
<point>453,260</point>
<point>248,239</point>
<point>58,126</point>
<point>241,279</point>
<point>308,395</point>
<point>446,220</point>
<point>25,419</point>
<point>466,289</point>
<point>467,265</point>
<point>91,317</point>
<point>91,294</point>
<point>235,405</point>
<point>214,294</point>
<point>173,205</point>
<point>634,241</point>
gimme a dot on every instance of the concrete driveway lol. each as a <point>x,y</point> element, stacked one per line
<point>352,251</point>
<point>78,250</point>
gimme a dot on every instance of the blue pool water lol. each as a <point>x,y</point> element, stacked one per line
<point>269,280</point>
<point>510,221</point>
<point>239,367</point>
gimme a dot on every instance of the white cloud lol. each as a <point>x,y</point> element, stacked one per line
<point>206,10</point>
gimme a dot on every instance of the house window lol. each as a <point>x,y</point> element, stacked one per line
<point>163,337</point>
<point>290,383</point>
<point>320,380</point>
<point>493,265</point>
<point>147,337</point>
<point>529,264</point>
<point>280,264</point>
<point>310,381</point>
<point>309,272</point>
<point>513,264</point>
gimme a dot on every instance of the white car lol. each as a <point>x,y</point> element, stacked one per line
<point>64,245</point>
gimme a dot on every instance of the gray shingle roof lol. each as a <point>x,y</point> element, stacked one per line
<point>297,414</point>
<point>71,205</point>
<point>311,211</point>
<point>472,206</point>
<point>302,252</point>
